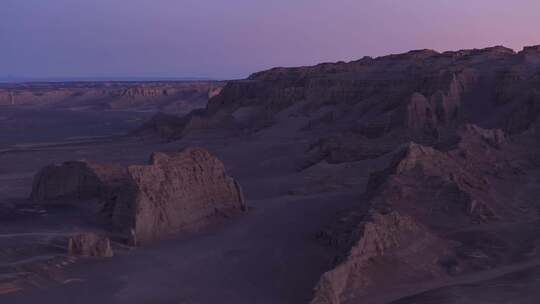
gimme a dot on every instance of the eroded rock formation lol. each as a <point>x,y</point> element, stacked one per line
<point>179,97</point>
<point>90,245</point>
<point>381,103</point>
<point>392,249</point>
<point>414,204</point>
<point>76,180</point>
<point>175,191</point>
<point>163,125</point>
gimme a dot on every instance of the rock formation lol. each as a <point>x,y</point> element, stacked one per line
<point>381,103</point>
<point>90,245</point>
<point>174,192</point>
<point>76,180</point>
<point>163,125</point>
<point>179,97</point>
<point>451,141</point>
<point>456,124</point>
<point>413,204</point>
<point>392,249</point>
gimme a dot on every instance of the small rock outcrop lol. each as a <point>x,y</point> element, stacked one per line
<point>174,192</point>
<point>90,245</point>
<point>78,180</point>
<point>162,125</point>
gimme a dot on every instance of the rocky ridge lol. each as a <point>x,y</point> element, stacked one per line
<point>171,97</point>
<point>386,101</point>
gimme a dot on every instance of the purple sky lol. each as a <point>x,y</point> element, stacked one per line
<point>233,38</point>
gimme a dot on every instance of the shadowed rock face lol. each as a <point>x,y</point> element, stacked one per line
<point>76,180</point>
<point>90,245</point>
<point>175,191</point>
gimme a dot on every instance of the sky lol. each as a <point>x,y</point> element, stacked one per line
<point>227,39</point>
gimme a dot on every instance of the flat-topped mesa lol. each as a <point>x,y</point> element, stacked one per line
<point>76,180</point>
<point>174,192</point>
<point>169,96</point>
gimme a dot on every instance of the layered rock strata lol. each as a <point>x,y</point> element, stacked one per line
<point>170,97</point>
<point>174,192</point>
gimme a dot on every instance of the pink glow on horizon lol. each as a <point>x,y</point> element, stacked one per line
<point>233,38</point>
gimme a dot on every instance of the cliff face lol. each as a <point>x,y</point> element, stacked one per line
<point>393,249</point>
<point>171,97</point>
<point>419,95</point>
<point>175,191</point>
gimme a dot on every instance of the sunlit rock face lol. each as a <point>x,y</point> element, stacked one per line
<point>174,192</point>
